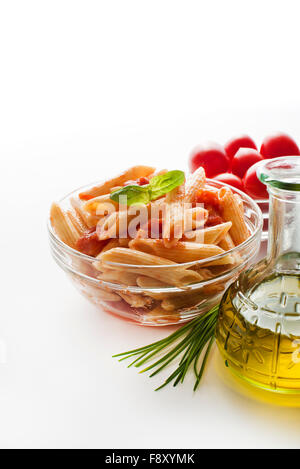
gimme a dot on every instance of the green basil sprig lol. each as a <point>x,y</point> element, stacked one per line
<point>157,187</point>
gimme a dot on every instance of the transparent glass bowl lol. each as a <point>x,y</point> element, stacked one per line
<point>144,305</point>
<point>264,206</point>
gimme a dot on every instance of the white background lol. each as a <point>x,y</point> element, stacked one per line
<point>88,88</point>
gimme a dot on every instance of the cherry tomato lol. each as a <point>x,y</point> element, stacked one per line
<point>279,145</point>
<point>211,157</point>
<point>243,141</point>
<point>230,179</point>
<point>253,186</point>
<point>243,160</point>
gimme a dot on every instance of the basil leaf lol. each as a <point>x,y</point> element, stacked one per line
<point>142,195</point>
<point>135,195</point>
<point>161,185</point>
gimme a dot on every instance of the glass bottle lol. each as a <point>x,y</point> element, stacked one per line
<point>258,330</point>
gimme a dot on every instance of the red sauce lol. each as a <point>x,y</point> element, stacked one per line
<point>213,220</point>
<point>143,181</point>
<point>208,197</point>
<point>89,243</point>
<point>140,182</point>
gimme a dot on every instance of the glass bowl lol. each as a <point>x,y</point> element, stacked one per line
<point>156,305</point>
<point>264,206</point>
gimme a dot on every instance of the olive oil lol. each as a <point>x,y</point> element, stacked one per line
<point>258,331</point>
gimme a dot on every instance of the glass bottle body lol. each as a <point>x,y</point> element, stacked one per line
<point>258,331</point>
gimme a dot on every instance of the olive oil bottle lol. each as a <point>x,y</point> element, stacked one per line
<point>258,330</point>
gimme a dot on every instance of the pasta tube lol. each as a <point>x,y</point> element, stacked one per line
<point>232,210</point>
<point>88,220</point>
<point>133,257</point>
<point>113,226</point>
<point>226,243</point>
<point>210,235</point>
<point>118,276</point>
<point>180,220</point>
<point>178,276</point>
<point>107,296</point>
<point>181,253</point>
<point>77,223</point>
<point>63,226</point>
<point>136,301</point>
<point>101,203</point>
<point>131,174</point>
<point>195,182</point>
<point>161,316</point>
<point>176,195</point>
<point>147,282</point>
<point>116,243</point>
<point>186,300</point>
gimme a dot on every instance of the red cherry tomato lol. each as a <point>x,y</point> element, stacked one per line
<point>243,160</point>
<point>253,186</point>
<point>230,179</point>
<point>243,141</point>
<point>211,157</point>
<point>279,145</point>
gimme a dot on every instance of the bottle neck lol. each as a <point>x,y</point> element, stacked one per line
<point>284,230</point>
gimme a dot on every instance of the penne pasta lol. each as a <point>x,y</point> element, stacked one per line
<point>136,301</point>
<point>210,235</point>
<point>100,205</point>
<point>180,221</point>
<point>226,243</point>
<point>195,182</point>
<point>141,251</point>
<point>232,211</point>
<point>186,300</point>
<point>239,202</point>
<point>147,282</point>
<point>176,195</point>
<point>131,174</point>
<point>224,260</point>
<point>159,315</point>
<point>116,243</point>
<point>133,257</point>
<point>205,273</point>
<point>63,226</point>
<point>113,226</point>
<point>76,222</point>
<point>172,276</point>
<point>115,276</point>
<point>107,296</point>
<point>86,219</point>
<point>181,253</point>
